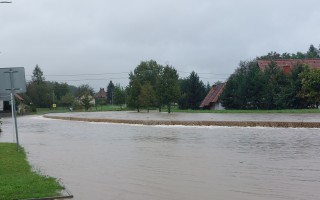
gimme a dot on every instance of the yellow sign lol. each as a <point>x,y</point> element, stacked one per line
<point>54,105</point>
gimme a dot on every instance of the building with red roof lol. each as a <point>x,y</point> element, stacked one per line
<point>211,101</point>
<point>287,64</point>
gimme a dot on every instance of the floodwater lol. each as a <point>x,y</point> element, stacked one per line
<point>104,161</point>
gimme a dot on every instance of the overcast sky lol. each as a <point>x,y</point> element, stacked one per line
<point>111,38</point>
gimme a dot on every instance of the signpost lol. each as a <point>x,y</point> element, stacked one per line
<point>12,81</point>
<point>1,105</point>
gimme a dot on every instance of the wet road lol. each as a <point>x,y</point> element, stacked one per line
<point>115,161</point>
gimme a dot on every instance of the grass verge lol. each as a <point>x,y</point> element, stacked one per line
<point>18,181</point>
<point>300,111</point>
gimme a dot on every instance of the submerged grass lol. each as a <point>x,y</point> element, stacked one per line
<point>300,111</point>
<point>18,181</point>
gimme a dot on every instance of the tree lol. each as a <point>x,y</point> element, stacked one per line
<point>119,95</point>
<point>289,97</point>
<point>147,96</point>
<point>168,87</point>
<point>145,72</point>
<point>38,90</point>
<point>67,100</point>
<point>193,91</point>
<point>37,75</point>
<point>310,91</point>
<point>110,92</point>
<point>312,52</point>
<point>244,88</point>
<point>196,91</point>
<point>85,101</point>
<point>134,91</point>
<point>84,89</point>
<point>85,96</point>
<point>274,79</point>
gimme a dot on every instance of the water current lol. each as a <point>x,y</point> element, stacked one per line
<point>105,161</point>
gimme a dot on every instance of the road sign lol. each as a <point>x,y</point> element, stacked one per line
<point>1,105</point>
<point>17,82</point>
<point>12,81</point>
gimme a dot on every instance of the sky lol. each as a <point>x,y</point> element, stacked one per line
<point>93,42</point>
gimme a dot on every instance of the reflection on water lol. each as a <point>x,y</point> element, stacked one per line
<point>113,161</point>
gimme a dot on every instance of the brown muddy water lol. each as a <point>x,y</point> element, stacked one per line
<point>104,161</point>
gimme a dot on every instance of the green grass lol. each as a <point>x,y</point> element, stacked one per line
<point>108,108</point>
<point>18,181</point>
<point>300,111</point>
<point>41,111</point>
<point>117,108</point>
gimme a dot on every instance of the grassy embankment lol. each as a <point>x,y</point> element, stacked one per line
<point>18,181</point>
<point>41,111</point>
<point>117,108</point>
<point>300,111</point>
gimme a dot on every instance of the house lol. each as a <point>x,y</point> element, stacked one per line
<point>5,105</point>
<point>101,94</point>
<point>287,64</point>
<point>101,97</point>
<point>211,101</point>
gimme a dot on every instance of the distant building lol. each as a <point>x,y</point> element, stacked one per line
<point>101,94</point>
<point>287,64</point>
<point>5,102</point>
<point>212,101</point>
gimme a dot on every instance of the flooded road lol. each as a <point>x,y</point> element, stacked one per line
<point>104,161</point>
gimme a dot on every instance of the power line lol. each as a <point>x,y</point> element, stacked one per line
<point>100,74</point>
<point>114,73</point>
<point>94,79</point>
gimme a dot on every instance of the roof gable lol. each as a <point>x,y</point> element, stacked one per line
<point>213,95</point>
<point>101,94</point>
<point>289,63</point>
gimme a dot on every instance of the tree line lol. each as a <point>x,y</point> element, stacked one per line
<point>251,88</point>
<point>151,86</point>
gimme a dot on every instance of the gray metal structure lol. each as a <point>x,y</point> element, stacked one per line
<point>12,81</point>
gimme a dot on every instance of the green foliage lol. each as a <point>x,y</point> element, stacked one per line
<point>37,75</point>
<point>193,92</point>
<point>147,72</point>
<point>244,88</point>
<point>119,95</point>
<point>310,80</point>
<point>311,54</point>
<point>41,93</point>
<point>152,85</point>
<point>86,101</point>
<point>274,80</point>
<point>84,89</point>
<point>147,97</point>
<point>168,87</point>
<point>18,181</point>
<point>110,92</point>
<point>134,91</point>
<point>67,100</point>
<point>249,88</point>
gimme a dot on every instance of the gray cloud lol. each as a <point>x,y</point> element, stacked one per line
<point>210,37</point>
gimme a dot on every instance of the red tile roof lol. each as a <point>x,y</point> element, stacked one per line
<point>284,64</point>
<point>101,94</point>
<point>213,95</point>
